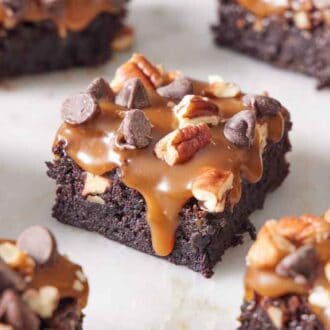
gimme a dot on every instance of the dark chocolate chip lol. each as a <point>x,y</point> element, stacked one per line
<point>133,95</point>
<point>101,90</point>
<point>39,243</point>
<point>9,279</point>
<point>262,105</point>
<point>14,8</point>
<point>240,129</point>
<point>302,265</point>
<point>177,89</point>
<point>14,312</point>
<point>135,129</point>
<point>54,6</point>
<point>79,108</point>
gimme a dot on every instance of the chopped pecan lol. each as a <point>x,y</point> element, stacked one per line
<point>211,188</point>
<point>269,248</point>
<point>182,144</point>
<point>194,109</point>
<point>138,67</point>
<point>222,89</point>
<point>95,184</point>
<point>304,229</point>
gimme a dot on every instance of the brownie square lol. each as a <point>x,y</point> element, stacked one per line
<point>46,39</point>
<point>295,37</point>
<point>119,212</point>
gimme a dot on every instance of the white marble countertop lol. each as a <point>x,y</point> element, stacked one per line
<point>130,290</point>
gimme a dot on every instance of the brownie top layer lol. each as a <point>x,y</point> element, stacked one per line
<point>292,256</point>
<point>305,14</point>
<point>35,280</point>
<point>173,138</point>
<point>73,15</point>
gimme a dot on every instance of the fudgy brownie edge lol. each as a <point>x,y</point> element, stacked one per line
<point>201,238</point>
<point>38,47</point>
<point>277,41</point>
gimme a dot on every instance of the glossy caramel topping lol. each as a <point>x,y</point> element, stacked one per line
<point>60,273</point>
<point>267,282</point>
<point>75,16</point>
<point>263,8</point>
<point>165,188</point>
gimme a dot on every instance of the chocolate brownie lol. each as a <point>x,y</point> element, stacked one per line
<point>168,165</point>
<point>38,36</point>
<point>288,275</point>
<point>288,34</point>
<point>39,287</point>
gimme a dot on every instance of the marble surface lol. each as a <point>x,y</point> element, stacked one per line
<point>130,290</point>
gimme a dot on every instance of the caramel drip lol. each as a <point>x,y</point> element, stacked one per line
<point>76,16</point>
<point>268,284</point>
<point>263,8</point>
<point>165,188</point>
<point>61,274</point>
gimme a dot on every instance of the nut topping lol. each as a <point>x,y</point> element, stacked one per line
<point>79,108</point>
<point>222,89</point>
<point>133,95</point>
<point>276,316</point>
<point>194,109</point>
<point>240,129</point>
<point>9,279</point>
<point>138,67</point>
<point>95,184</point>
<point>182,144</point>
<point>43,301</point>
<point>269,248</point>
<point>177,89</point>
<point>135,130</point>
<point>211,187</point>
<point>14,8</point>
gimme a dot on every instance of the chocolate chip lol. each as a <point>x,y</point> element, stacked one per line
<point>262,105</point>
<point>54,6</point>
<point>101,90</point>
<point>302,265</point>
<point>14,312</point>
<point>133,95</point>
<point>39,243</point>
<point>177,89</point>
<point>14,8</point>
<point>79,108</point>
<point>240,129</point>
<point>9,279</point>
<point>135,130</point>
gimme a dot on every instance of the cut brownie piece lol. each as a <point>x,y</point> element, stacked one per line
<point>288,34</point>
<point>39,288</point>
<point>288,276</point>
<point>166,164</point>
<point>42,35</point>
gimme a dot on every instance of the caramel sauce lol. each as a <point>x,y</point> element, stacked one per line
<point>165,188</point>
<point>268,284</point>
<point>263,8</point>
<point>76,16</point>
<point>61,274</point>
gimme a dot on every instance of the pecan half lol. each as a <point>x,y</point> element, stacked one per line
<point>138,67</point>
<point>181,145</point>
<point>269,248</point>
<point>194,109</point>
<point>211,188</point>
